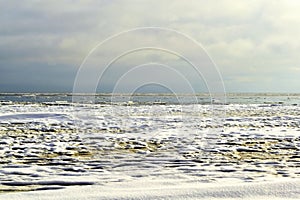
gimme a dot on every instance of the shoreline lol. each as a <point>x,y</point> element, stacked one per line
<point>284,188</point>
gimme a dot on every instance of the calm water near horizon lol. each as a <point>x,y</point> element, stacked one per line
<point>141,98</point>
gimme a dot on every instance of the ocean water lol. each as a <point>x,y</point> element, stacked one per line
<point>48,142</point>
<point>231,98</point>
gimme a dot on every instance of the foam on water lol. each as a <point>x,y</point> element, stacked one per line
<point>47,146</point>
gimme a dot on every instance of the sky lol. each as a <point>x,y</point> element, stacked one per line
<point>254,45</point>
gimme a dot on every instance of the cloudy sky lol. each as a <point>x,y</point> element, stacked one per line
<point>255,44</point>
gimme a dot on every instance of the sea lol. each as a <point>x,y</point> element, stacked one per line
<point>148,98</point>
<point>48,141</point>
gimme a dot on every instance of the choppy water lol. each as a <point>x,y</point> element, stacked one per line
<point>48,142</point>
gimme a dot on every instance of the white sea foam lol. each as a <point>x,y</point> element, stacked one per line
<point>149,151</point>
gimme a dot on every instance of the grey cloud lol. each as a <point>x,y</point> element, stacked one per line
<point>247,39</point>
